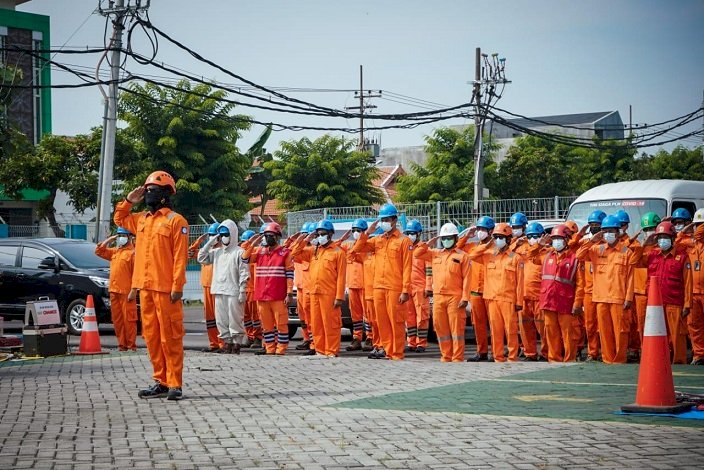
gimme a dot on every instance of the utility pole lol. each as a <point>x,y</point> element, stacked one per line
<point>362,107</point>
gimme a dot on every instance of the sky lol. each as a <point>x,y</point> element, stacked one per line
<point>562,56</point>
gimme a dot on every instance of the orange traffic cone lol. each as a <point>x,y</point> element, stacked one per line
<point>90,338</point>
<point>656,389</point>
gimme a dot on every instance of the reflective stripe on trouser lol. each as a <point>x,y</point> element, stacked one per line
<point>124,320</point>
<point>356,303</point>
<point>326,322</point>
<point>591,326</point>
<point>210,324</point>
<point>559,332</point>
<point>303,309</point>
<point>637,322</point>
<point>391,321</point>
<point>229,316</point>
<point>695,326</point>
<point>162,330</point>
<point>418,320</point>
<point>370,320</point>
<point>504,324</point>
<point>480,321</point>
<point>527,328</point>
<point>676,333</point>
<point>274,317</point>
<point>251,316</point>
<point>614,325</point>
<point>449,321</point>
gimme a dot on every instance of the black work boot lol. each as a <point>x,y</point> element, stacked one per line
<point>368,345</point>
<point>155,391</point>
<point>355,345</point>
<point>304,346</point>
<point>478,357</point>
<point>174,394</point>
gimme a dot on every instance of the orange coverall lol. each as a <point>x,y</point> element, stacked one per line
<point>355,291</point>
<point>252,322</point>
<point>503,293</point>
<point>451,285</point>
<point>122,312</point>
<point>159,269</point>
<point>480,318</point>
<point>206,277</point>
<point>328,266</point>
<point>612,287</point>
<point>589,318</point>
<point>418,317</point>
<point>301,278</point>
<point>531,320</point>
<point>392,277</point>
<point>695,319</point>
<point>370,327</point>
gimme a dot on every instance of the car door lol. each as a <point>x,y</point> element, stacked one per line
<point>8,279</point>
<point>34,281</point>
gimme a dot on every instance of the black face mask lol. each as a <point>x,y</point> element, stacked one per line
<point>594,230</point>
<point>270,240</point>
<point>157,198</point>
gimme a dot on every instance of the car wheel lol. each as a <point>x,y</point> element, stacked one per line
<point>75,312</point>
<point>292,329</point>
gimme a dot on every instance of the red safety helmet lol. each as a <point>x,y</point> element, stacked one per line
<point>561,230</point>
<point>503,229</point>
<point>272,227</point>
<point>667,228</point>
<point>571,226</point>
<point>161,178</point>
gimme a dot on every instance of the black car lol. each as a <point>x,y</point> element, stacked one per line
<point>59,268</point>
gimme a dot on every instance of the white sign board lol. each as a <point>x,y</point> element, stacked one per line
<point>44,312</point>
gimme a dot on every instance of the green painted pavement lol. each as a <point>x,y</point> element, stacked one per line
<point>590,392</point>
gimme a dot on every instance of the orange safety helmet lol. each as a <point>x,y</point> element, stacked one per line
<point>571,226</point>
<point>667,228</point>
<point>272,227</point>
<point>161,178</point>
<point>560,231</point>
<point>503,229</point>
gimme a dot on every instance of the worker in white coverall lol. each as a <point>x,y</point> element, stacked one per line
<point>230,275</point>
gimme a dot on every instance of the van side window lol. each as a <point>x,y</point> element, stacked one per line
<point>31,257</point>
<point>685,205</point>
<point>8,254</point>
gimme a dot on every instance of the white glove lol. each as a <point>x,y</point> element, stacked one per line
<point>242,298</point>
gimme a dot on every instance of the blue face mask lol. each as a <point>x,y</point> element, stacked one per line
<point>448,243</point>
<point>664,244</point>
<point>610,238</point>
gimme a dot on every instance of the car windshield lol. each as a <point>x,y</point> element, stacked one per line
<point>635,208</point>
<point>82,255</point>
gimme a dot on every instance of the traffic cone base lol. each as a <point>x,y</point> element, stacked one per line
<point>90,337</point>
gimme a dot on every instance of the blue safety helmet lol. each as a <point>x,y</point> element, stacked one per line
<point>360,224</point>
<point>261,229</point>
<point>213,228</point>
<point>485,222</point>
<point>610,221</point>
<point>596,217</point>
<point>325,224</point>
<point>681,213</point>
<point>246,235</point>
<point>535,228</point>
<point>413,226</point>
<point>388,210</point>
<point>518,220</point>
<point>623,216</point>
<point>306,227</point>
<point>123,231</point>
<point>223,230</point>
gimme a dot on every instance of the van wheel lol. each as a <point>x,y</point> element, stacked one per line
<point>75,312</point>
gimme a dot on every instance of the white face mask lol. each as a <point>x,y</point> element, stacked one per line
<point>622,231</point>
<point>533,241</point>
<point>322,239</point>
<point>263,242</point>
<point>482,234</point>
<point>558,244</point>
<point>517,232</point>
<point>356,235</point>
<point>679,228</point>
<point>225,239</point>
<point>448,243</point>
<point>314,242</point>
<point>413,237</point>
<point>385,226</point>
<point>664,243</point>
<point>121,241</point>
<point>610,238</point>
<point>500,243</point>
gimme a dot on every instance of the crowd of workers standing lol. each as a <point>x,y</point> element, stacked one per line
<point>560,295</point>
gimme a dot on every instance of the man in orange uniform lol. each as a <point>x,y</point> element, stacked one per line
<point>503,290</point>
<point>252,323</point>
<point>671,266</point>
<point>451,290</point>
<point>613,288</point>
<point>633,351</point>
<point>206,278</point>
<point>122,311</point>
<point>695,319</point>
<point>418,318</point>
<point>392,280</point>
<point>373,342</point>
<point>159,275</point>
<point>273,286</point>
<point>355,286</point>
<point>480,319</point>
<point>328,266</point>
<point>301,279</point>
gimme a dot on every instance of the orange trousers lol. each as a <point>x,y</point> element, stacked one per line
<point>559,335</point>
<point>676,333</point>
<point>356,303</point>
<point>591,325</point>
<point>325,322</point>
<point>303,309</point>
<point>480,321</point>
<point>418,320</point>
<point>695,325</point>
<point>209,313</point>
<point>370,321</point>
<point>274,315</point>
<point>391,321</point>
<point>614,327</point>
<point>163,332</point>
<point>528,328</point>
<point>503,322</point>
<point>124,320</point>
<point>252,323</point>
<point>449,321</point>
<point>635,335</point>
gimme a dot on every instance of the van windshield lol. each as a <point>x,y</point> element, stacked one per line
<point>82,255</point>
<point>635,208</point>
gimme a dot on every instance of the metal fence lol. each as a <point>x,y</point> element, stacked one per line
<point>434,214</point>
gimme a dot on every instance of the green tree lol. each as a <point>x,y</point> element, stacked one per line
<point>190,133</point>
<point>327,172</point>
<point>449,172</point>
<point>681,163</point>
<point>608,162</point>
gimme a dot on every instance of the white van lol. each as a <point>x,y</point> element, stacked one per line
<point>637,198</point>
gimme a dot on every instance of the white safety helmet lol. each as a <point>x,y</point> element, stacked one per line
<point>698,216</point>
<point>448,230</point>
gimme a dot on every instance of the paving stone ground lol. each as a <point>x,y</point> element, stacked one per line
<point>307,413</point>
